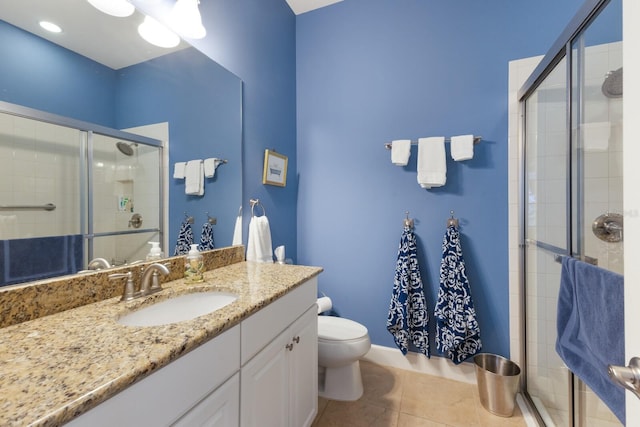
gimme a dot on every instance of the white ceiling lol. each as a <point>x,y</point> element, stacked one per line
<point>302,6</point>
<point>111,41</point>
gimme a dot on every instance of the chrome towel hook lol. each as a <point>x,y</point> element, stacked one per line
<point>408,222</point>
<point>452,222</point>
<point>188,218</point>
<point>211,220</point>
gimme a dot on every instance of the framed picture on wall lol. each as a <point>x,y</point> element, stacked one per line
<point>275,168</point>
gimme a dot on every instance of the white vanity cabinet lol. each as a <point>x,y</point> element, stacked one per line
<point>262,372</point>
<point>201,380</point>
<point>279,383</point>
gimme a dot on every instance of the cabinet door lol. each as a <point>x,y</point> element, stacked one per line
<point>264,387</point>
<point>303,370</point>
<point>220,409</point>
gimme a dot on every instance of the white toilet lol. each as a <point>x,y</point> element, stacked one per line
<point>341,342</point>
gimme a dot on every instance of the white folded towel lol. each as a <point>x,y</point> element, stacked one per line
<point>210,166</point>
<point>194,178</point>
<point>237,231</point>
<point>179,169</point>
<point>462,147</point>
<point>259,247</point>
<point>400,152</point>
<point>432,162</point>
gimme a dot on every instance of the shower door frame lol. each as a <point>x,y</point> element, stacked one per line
<point>561,49</point>
<point>86,162</point>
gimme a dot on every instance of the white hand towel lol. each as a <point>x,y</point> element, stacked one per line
<point>179,169</point>
<point>400,152</point>
<point>210,166</point>
<point>194,178</point>
<point>462,147</point>
<point>237,231</point>
<point>259,247</point>
<point>432,162</point>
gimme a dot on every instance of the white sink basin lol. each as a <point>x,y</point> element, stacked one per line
<point>178,309</point>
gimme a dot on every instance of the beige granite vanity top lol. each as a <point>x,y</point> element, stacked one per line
<point>56,367</point>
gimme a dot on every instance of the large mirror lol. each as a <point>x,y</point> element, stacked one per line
<point>99,71</point>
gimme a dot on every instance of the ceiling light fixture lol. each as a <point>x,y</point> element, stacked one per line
<point>157,34</point>
<point>186,20</point>
<point>50,26</point>
<point>119,8</point>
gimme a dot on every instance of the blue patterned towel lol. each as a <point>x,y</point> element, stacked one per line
<point>457,330</point>
<point>185,239</point>
<point>206,238</point>
<point>591,327</point>
<point>408,316</point>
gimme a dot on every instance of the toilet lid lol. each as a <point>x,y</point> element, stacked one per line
<point>339,329</point>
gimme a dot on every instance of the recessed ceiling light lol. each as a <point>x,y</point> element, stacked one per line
<point>157,34</point>
<point>50,26</point>
<point>119,8</point>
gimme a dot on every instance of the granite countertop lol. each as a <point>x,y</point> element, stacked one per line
<point>56,367</point>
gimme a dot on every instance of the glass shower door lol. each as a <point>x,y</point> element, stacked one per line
<point>548,381</point>
<point>572,200</point>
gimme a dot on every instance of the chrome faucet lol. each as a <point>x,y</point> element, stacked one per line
<point>149,282</point>
<point>98,264</point>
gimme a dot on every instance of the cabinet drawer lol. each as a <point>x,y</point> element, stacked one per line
<point>262,327</point>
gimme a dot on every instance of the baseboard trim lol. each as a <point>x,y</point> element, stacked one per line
<point>437,366</point>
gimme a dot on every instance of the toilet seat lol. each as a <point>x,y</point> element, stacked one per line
<point>331,328</point>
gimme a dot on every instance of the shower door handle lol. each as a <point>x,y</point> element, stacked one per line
<point>627,376</point>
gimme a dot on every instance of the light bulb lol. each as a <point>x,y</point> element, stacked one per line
<point>157,34</point>
<point>186,20</point>
<point>119,8</point>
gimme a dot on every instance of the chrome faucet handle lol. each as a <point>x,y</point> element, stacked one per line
<point>129,292</point>
<point>150,283</point>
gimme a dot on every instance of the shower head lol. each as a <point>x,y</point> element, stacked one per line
<point>612,85</point>
<point>126,149</point>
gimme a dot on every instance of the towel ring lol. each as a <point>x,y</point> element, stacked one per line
<point>188,219</point>
<point>255,202</point>
<point>211,220</point>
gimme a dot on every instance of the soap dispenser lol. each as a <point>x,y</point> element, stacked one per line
<point>155,253</point>
<point>194,266</point>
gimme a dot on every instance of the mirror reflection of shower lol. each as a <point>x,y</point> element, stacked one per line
<point>612,85</point>
<point>126,148</point>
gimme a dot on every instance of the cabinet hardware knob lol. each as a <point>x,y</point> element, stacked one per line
<point>289,347</point>
<point>296,340</point>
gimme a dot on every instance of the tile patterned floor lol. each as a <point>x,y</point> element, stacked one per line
<point>398,398</point>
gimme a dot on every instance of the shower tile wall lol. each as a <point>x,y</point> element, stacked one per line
<point>602,142</point>
<point>117,177</point>
<point>39,164</point>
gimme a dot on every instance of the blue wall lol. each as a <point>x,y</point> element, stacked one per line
<point>50,78</point>
<point>255,39</point>
<point>370,71</point>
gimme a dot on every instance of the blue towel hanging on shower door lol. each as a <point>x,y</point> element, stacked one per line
<point>185,239</point>
<point>408,316</point>
<point>457,330</point>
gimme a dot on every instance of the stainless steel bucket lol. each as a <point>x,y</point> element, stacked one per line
<point>497,379</point>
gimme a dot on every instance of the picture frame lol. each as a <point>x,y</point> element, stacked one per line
<point>275,168</point>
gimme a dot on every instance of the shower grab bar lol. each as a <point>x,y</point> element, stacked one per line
<point>47,207</point>
<point>476,140</point>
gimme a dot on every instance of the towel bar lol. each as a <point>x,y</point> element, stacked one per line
<point>476,140</point>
